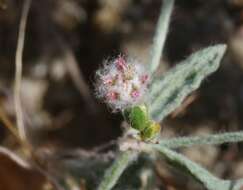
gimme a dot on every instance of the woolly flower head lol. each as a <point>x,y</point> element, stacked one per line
<point>121,83</point>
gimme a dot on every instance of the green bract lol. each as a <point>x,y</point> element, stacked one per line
<point>151,131</point>
<point>139,119</point>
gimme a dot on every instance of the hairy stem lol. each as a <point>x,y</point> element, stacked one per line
<point>117,168</point>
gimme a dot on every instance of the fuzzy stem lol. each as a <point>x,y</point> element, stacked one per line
<point>230,137</point>
<point>117,168</point>
<point>210,181</point>
<point>160,35</point>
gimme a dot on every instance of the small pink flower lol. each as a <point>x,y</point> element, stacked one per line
<point>112,96</point>
<point>135,94</point>
<point>122,83</point>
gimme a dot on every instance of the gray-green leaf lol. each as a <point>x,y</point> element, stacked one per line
<point>160,35</point>
<point>209,181</point>
<point>166,93</point>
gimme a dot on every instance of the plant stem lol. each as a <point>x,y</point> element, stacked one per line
<point>117,168</point>
<point>230,137</point>
<point>160,34</point>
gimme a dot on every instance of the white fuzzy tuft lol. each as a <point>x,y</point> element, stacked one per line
<point>121,83</point>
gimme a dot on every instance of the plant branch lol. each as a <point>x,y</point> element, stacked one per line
<point>18,71</point>
<point>160,34</point>
<point>230,137</point>
<point>117,168</point>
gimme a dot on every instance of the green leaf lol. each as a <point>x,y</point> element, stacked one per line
<point>160,35</point>
<point>168,92</point>
<point>209,181</point>
<point>229,137</point>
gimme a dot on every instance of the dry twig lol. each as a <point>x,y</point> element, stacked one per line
<point>18,71</point>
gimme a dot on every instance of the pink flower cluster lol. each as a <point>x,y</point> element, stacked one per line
<point>121,83</point>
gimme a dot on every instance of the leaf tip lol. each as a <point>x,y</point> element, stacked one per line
<point>221,49</point>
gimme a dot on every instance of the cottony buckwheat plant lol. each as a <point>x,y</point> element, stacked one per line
<point>145,99</point>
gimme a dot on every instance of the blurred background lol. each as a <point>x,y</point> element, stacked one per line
<point>67,40</point>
